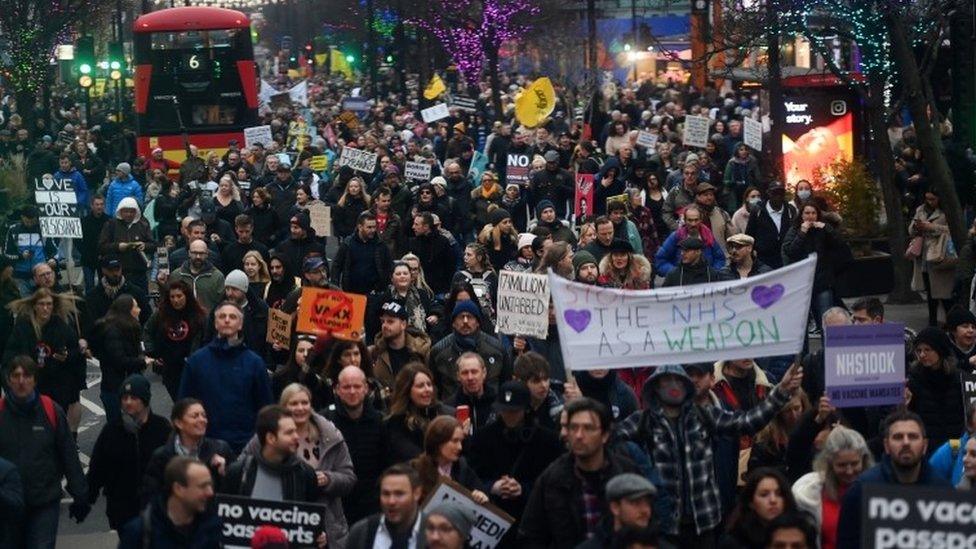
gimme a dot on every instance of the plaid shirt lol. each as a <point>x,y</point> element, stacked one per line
<point>651,429</point>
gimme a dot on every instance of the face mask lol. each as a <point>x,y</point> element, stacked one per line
<point>671,392</point>
<point>755,200</point>
<point>803,195</point>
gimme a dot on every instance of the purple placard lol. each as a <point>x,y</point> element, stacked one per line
<point>864,365</point>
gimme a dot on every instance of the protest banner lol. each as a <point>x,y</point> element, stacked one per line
<point>58,205</point>
<point>319,163</point>
<point>583,202</point>
<point>646,139</point>
<point>257,135</point>
<point>279,327</point>
<point>523,304</point>
<point>490,524</point>
<point>696,131</point>
<point>898,515</point>
<point>358,159</point>
<point>241,516</point>
<point>968,389</point>
<point>864,365</point>
<point>355,104</point>
<point>517,169</point>
<point>764,315</point>
<point>752,133</point>
<point>417,171</point>
<point>435,113</point>
<point>320,217</point>
<point>466,104</point>
<point>332,312</point>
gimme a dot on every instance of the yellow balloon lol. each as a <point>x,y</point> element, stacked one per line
<point>535,103</point>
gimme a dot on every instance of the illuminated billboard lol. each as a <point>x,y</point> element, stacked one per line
<point>819,130</point>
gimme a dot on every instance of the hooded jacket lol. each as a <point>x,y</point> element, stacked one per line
<point>336,462</point>
<point>119,189</point>
<point>116,231</point>
<point>697,425</point>
<point>233,384</point>
<point>668,256</point>
<point>417,343</point>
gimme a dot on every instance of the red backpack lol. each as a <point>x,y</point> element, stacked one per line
<point>49,411</point>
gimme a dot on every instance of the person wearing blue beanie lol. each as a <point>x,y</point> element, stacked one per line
<point>469,307</point>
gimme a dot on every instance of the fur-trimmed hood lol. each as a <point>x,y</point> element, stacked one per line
<point>638,277</point>
<point>761,378</point>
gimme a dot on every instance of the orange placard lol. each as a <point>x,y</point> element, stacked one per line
<point>332,312</point>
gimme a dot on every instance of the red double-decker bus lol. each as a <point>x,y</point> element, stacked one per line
<point>195,80</point>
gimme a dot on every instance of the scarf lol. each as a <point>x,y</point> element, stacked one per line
<point>704,233</point>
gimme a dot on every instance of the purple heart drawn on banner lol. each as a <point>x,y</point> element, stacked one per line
<point>766,296</point>
<point>577,319</point>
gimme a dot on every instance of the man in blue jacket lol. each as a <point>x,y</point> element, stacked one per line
<point>903,463</point>
<point>122,186</point>
<point>230,379</point>
<point>67,172</point>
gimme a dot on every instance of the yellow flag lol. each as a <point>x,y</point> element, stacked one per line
<point>535,103</point>
<point>434,88</point>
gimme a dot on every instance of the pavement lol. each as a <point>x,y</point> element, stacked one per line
<point>94,533</point>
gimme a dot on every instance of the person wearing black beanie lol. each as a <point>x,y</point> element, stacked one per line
<point>935,388</point>
<point>961,326</point>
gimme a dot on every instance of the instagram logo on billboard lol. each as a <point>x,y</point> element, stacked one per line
<point>838,107</point>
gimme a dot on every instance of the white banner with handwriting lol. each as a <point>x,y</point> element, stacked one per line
<point>765,315</point>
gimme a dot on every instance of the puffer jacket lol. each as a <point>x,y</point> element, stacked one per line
<point>119,189</point>
<point>698,425</point>
<point>336,463</point>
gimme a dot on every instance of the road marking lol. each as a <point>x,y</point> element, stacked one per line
<point>92,407</point>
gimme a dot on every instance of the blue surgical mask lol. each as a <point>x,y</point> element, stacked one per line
<point>755,200</point>
<point>803,195</point>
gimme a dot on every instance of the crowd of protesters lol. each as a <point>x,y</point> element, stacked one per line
<point>183,260</point>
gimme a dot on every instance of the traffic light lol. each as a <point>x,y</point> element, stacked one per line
<point>293,61</point>
<point>116,60</point>
<point>85,60</point>
<point>309,59</point>
<point>350,58</point>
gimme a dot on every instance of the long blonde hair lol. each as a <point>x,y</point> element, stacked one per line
<point>362,192</point>
<point>264,275</point>
<point>421,279</point>
<point>64,307</point>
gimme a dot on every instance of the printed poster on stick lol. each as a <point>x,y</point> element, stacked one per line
<point>435,113</point>
<point>517,169</point>
<point>696,131</point>
<point>241,516</point>
<point>320,217</point>
<point>523,304</point>
<point>894,516</point>
<point>358,159</point>
<point>864,365</point>
<point>332,312</point>
<point>646,139</point>
<point>490,524</point>
<point>752,133</point>
<point>279,327</point>
<point>748,318</point>
<point>583,203</point>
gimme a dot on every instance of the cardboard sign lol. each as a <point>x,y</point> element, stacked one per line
<point>752,133</point>
<point>320,216</point>
<point>319,163</point>
<point>696,131</point>
<point>279,328</point>
<point>864,365</point>
<point>417,171</point>
<point>517,169</point>
<point>256,135</point>
<point>748,318</point>
<point>583,202</point>
<point>58,205</point>
<point>241,516</point>
<point>523,304</point>
<point>333,312</point>
<point>647,140</point>
<point>435,113</point>
<point>896,515</point>
<point>491,522</point>
<point>358,159</point>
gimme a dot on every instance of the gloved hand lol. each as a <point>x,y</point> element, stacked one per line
<point>79,510</point>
